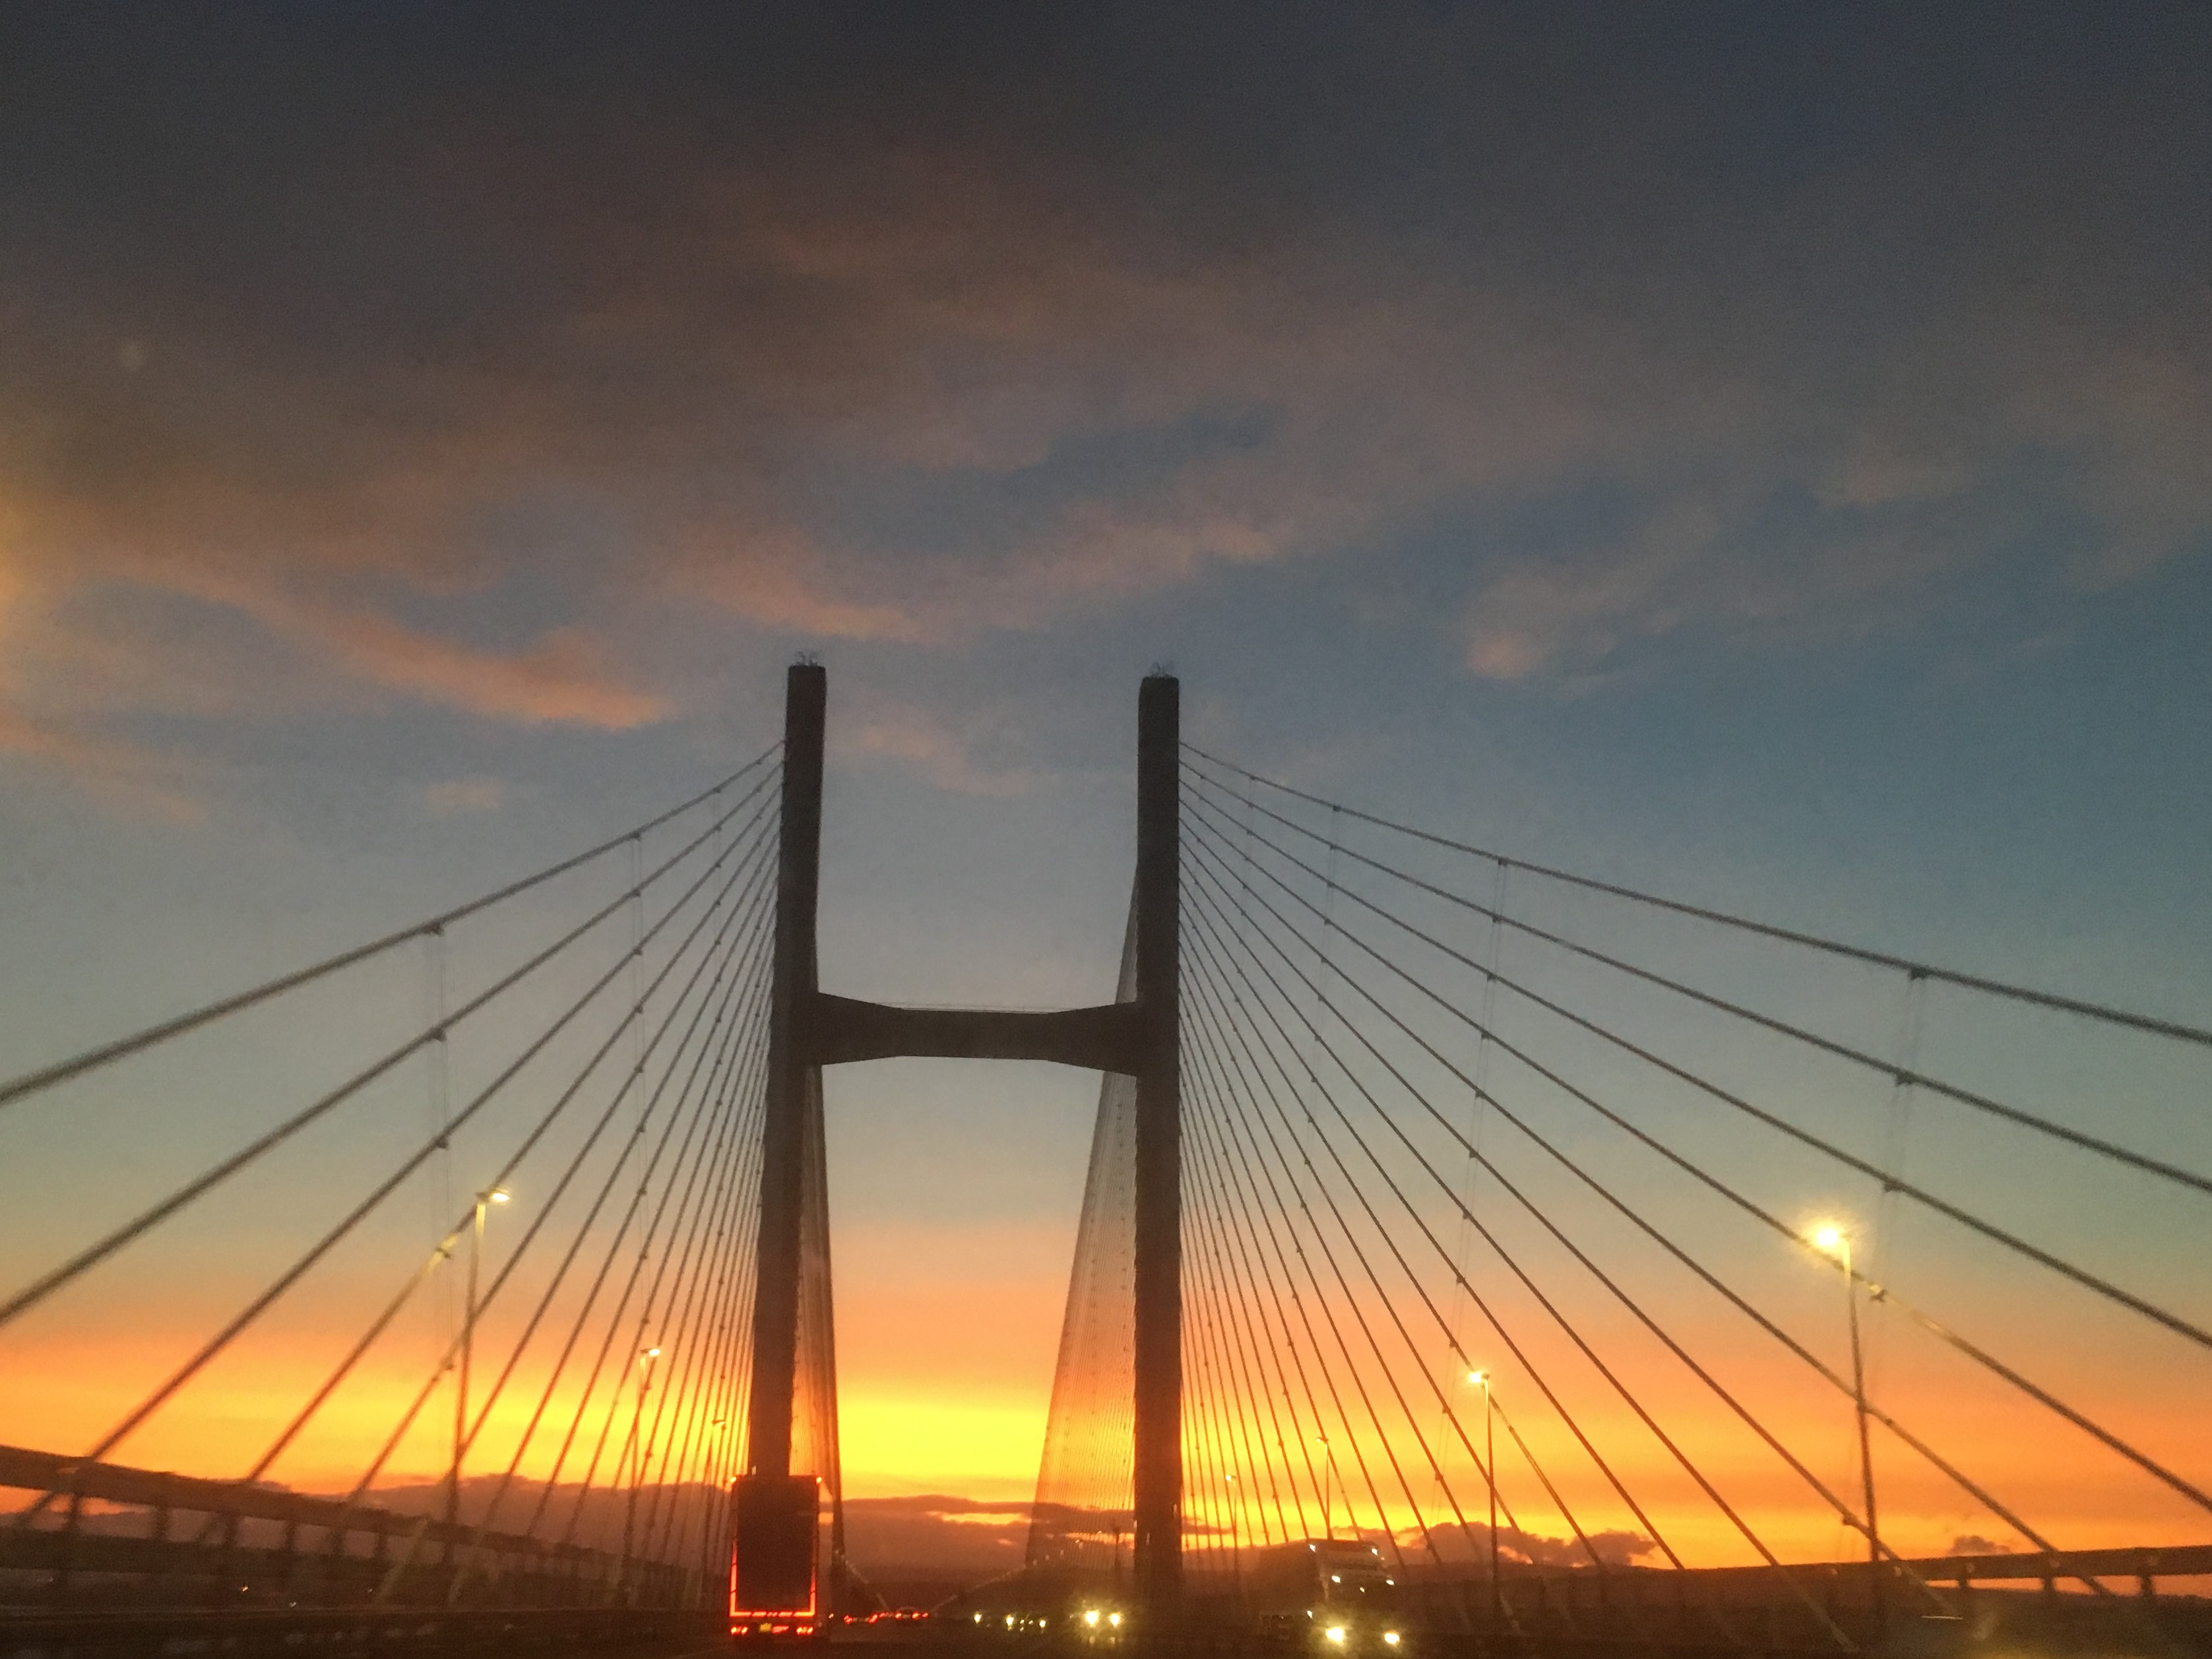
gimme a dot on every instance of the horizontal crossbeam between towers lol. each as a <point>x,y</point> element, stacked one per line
<point>835,1029</point>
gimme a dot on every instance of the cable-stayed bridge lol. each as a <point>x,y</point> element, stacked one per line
<point>1474,1256</point>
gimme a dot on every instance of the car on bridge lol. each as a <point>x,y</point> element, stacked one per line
<point>1328,1595</point>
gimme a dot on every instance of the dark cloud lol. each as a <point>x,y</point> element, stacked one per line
<point>883,324</point>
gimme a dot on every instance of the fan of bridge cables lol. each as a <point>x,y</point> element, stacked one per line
<point>1080,1526</point>
<point>1533,1218</point>
<point>451,1231</point>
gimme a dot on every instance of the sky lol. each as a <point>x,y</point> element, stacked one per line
<point>1759,453</point>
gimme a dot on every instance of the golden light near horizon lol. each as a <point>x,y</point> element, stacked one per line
<point>1478,1379</point>
<point>1831,1238</point>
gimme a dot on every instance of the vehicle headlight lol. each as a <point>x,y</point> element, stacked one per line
<point>1335,1632</point>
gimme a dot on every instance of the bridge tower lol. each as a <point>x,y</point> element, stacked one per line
<point>810,1028</point>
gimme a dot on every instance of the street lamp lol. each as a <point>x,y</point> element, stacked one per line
<point>1236,1542</point>
<point>630,1447</point>
<point>1481,1380</point>
<point>1834,1242</point>
<point>1327,1470</point>
<point>485,1200</point>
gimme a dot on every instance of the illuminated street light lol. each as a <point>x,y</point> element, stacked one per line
<point>485,1200</point>
<point>1328,1470</point>
<point>1834,1241</point>
<point>1481,1378</point>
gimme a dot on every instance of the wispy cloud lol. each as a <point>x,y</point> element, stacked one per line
<point>454,795</point>
<point>948,754</point>
<point>828,383</point>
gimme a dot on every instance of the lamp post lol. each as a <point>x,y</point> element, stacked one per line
<point>630,1447</point>
<point>1490,1478</point>
<point>1236,1543</point>
<point>485,1200</point>
<point>1327,1473</point>
<point>1834,1243</point>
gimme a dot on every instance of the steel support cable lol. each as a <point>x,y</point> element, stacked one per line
<point>1358,1378</point>
<point>1900,1075</point>
<point>1264,1343</point>
<point>1993,987</point>
<point>1208,1145</point>
<point>752,999</point>
<point>1230,1360</point>
<point>1067,1467</point>
<point>1200,1436</point>
<point>629,1285</point>
<point>315,1253</point>
<point>706,1375</point>
<point>694,1274</point>
<point>749,918</point>
<point>753,925</point>
<point>1214,1279</point>
<point>446,1247</point>
<point>664,1537</point>
<point>1210,945</point>
<point>645,1252</point>
<point>738,1387</point>
<point>1206,1074</point>
<point>1504,1336</point>
<point>39,1289</point>
<point>1214,1359</point>
<point>1642,1316</point>
<point>718,1101</point>
<point>718,1156</point>
<point>635,1545</point>
<point>1689,1466</point>
<point>733,1341</point>
<point>1374,1281</point>
<point>1589,1353</point>
<point>46,1077</point>
<point>407,1418</point>
<point>1205,1447</point>
<point>1972,1488</point>
<point>1875,1291</point>
<point>1480,1461</point>
<point>1209,1068</point>
<point>1806,1137</point>
<point>1966,1218</point>
<point>543,1213</point>
<point>668,1518</point>
<point>1238,1319</point>
<point>718,1449</point>
<point>1958,1477</point>
<point>652,1313</point>
<point>1643,1517</point>
<point>1566,1416</point>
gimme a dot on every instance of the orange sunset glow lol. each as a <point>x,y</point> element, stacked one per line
<point>1371,831</point>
